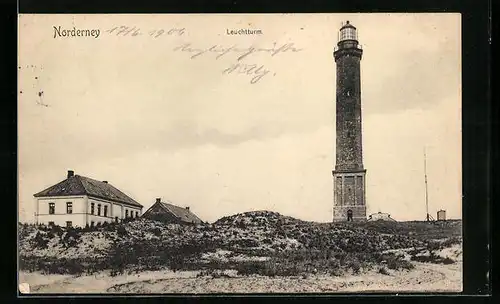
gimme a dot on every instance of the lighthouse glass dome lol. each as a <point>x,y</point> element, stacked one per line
<point>348,33</point>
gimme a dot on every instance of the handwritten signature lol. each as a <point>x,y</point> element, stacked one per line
<point>258,72</point>
<point>245,52</point>
<point>136,31</point>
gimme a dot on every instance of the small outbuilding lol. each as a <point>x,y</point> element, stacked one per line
<point>441,215</point>
<point>170,213</point>
<point>380,216</point>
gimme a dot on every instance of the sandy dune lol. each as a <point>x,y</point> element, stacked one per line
<point>242,238</point>
<point>424,278</point>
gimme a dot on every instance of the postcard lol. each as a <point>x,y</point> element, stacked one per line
<point>239,153</point>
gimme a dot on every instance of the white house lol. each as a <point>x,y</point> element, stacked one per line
<point>79,200</point>
<point>380,217</point>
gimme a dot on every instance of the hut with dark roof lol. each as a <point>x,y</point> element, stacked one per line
<point>169,213</point>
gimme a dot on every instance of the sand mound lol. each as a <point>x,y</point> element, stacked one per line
<point>256,236</point>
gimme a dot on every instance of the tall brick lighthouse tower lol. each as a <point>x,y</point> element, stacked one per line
<point>349,174</point>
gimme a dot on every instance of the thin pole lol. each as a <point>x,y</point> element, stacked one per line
<point>426,190</point>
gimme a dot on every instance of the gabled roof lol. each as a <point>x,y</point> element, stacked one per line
<point>182,214</point>
<point>81,185</point>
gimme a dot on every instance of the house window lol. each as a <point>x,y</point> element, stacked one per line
<point>116,219</point>
<point>51,224</point>
<point>69,224</point>
<point>98,209</point>
<point>136,214</point>
<point>105,211</point>
<point>69,207</point>
<point>126,213</point>
<point>52,208</point>
<point>92,208</point>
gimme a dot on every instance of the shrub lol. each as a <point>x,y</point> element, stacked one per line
<point>434,245</point>
<point>177,262</point>
<point>432,259</point>
<point>383,271</point>
<point>248,268</point>
<point>211,272</point>
<point>110,226</point>
<point>24,230</point>
<point>40,241</point>
<point>282,267</point>
<point>50,265</point>
<point>121,231</point>
<point>397,263</point>
<point>56,230</point>
<point>120,256</point>
<point>127,220</point>
<point>333,267</point>
<point>355,266</point>
<point>71,238</point>
<point>156,231</point>
<point>451,241</point>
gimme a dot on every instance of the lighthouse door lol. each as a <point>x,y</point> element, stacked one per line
<point>349,215</point>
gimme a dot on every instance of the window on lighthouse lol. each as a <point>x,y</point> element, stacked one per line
<point>350,134</point>
<point>347,91</point>
<point>348,33</point>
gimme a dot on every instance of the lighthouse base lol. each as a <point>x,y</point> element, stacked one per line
<point>349,195</point>
<point>342,214</point>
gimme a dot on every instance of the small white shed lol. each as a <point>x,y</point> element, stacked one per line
<point>380,216</point>
<point>441,215</point>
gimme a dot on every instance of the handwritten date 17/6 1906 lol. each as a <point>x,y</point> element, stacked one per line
<point>136,31</point>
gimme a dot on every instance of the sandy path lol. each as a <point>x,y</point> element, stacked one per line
<point>97,283</point>
<point>425,277</point>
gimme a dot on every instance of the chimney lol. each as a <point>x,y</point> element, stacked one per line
<point>105,182</point>
<point>187,208</point>
<point>71,173</point>
<point>158,200</point>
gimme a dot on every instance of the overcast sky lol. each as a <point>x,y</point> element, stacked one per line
<point>155,123</point>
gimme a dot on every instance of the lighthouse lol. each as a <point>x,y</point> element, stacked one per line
<point>349,174</point>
